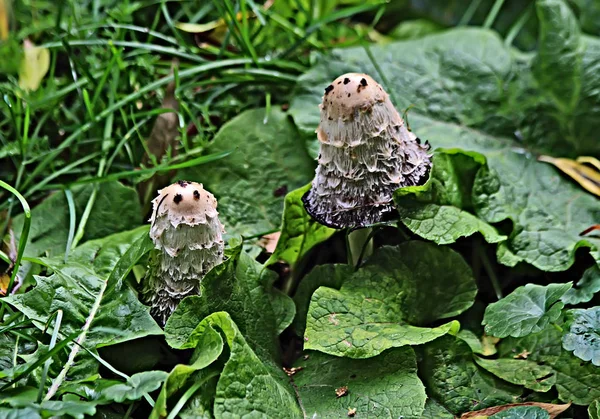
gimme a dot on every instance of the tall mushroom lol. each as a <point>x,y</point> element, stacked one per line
<point>366,153</point>
<point>187,236</point>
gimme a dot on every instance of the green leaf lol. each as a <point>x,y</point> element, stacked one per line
<point>434,210</point>
<point>299,231</point>
<point>331,276</point>
<point>136,386</point>
<point>434,410</point>
<point>377,306</point>
<point>522,412</point>
<point>381,387</point>
<point>25,413</point>
<point>586,287</point>
<point>470,92</point>
<point>267,159</point>
<point>249,384</point>
<point>521,372</point>
<point>583,335</point>
<point>557,66</point>
<point>594,409</point>
<point>90,290</point>
<point>116,209</point>
<point>455,381</point>
<point>528,309</point>
<point>576,381</point>
<point>242,287</point>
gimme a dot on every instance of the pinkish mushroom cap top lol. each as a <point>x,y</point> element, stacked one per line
<point>185,202</point>
<point>349,92</point>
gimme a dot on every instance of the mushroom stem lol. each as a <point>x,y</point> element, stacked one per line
<point>360,245</point>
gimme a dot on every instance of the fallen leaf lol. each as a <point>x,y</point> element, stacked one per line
<point>4,281</point>
<point>488,345</point>
<point>34,66</point>
<point>351,412</point>
<point>587,177</point>
<point>269,241</point>
<point>523,355</point>
<point>342,391</point>
<point>291,371</point>
<point>553,409</point>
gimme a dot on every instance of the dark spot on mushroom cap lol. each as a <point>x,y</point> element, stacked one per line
<point>349,94</point>
<point>328,89</point>
<point>196,195</point>
<point>183,183</point>
<point>178,198</point>
<point>418,140</point>
<point>346,80</point>
<point>363,82</point>
<point>339,82</point>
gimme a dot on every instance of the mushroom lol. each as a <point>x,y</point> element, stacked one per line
<point>187,236</point>
<point>367,152</point>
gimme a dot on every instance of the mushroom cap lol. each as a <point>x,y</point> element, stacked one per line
<point>349,92</point>
<point>184,202</point>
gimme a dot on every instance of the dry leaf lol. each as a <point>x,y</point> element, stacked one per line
<point>523,355</point>
<point>488,345</point>
<point>587,177</point>
<point>352,412</point>
<point>269,241</point>
<point>342,391</point>
<point>291,371</point>
<point>588,230</point>
<point>4,281</point>
<point>34,66</point>
<point>553,409</point>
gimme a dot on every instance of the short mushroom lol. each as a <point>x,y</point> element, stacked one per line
<point>366,153</point>
<point>187,236</point>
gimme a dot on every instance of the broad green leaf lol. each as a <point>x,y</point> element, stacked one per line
<point>434,210</point>
<point>116,209</point>
<point>522,412</point>
<point>557,66</point>
<point>528,309</point>
<point>470,92</point>
<point>585,288</point>
<point>299,231</point>
<point>521,372</point>
<point>378,306</point>
<point>89,288</point>
<point>135,386</point>
<point>243,288</point>
<point>583,335</point>
<point>248,384</point>
<point>381,387</point>
<point>202,371</point>
<point>52,409</point>
<point>455,381</point>
<point>267,160</point>
<point>25,413</point>
<point>576,381</point>
<point>331,276</point>
<point>594,409</point>
<point>434,410</point>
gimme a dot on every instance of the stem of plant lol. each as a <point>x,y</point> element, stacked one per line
<point>487,265</point>
<point>359,243</point>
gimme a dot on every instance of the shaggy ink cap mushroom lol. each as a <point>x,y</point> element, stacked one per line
<point>366,153</point>
<point>187,236</point>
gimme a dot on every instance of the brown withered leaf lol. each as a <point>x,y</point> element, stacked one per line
<point>342,391</point>
<point>553,409</point>
<point>269,241</point>
<point>580,170</point>
<point>162,139</point>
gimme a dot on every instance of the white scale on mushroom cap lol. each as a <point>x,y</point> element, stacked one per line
<point>187,236</point>
<point>366,153</point>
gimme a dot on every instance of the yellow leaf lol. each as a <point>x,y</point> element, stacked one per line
<point>4,10</point>
<point>587,177</point>
<point>4,281</point>
<point>34,66</point>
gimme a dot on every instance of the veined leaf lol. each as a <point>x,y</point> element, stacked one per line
<point>583,335</point>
